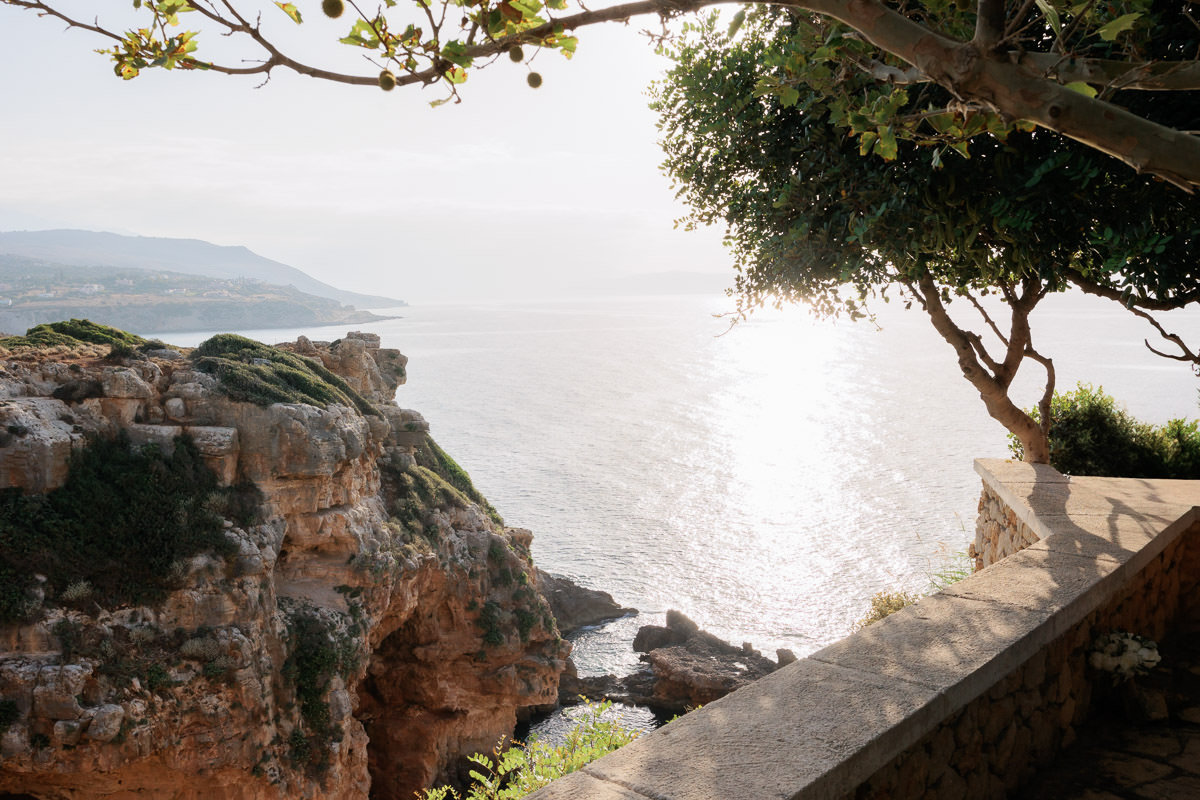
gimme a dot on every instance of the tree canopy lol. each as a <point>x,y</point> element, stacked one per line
<point>1071,66</point>
<point>812,215</point>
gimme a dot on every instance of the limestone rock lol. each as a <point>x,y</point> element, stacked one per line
<point>444,639</point>
<point>576,606</point>
<point>686,667</point>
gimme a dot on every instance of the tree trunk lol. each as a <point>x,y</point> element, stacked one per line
<point>992,385</point>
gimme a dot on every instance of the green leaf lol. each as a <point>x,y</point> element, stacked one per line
<point>1082,88</point>
<point>1051,17</point>
<point>735,26</point>
<point>887,144</point>
<point>1119,25</point>
<point>291,10</point>
<point>866,142</point>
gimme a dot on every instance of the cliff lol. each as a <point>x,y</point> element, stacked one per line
<point>335,612</point>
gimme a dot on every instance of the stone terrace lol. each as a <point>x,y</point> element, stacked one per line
<point>966,694</point>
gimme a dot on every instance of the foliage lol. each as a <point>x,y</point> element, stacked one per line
<point>431,456</point>
<point>808,214</point>
<point>888,601</point>
<point>71,334</point>
<point>514,772</point>
<point>253,372</point>
<point>959,567</point>
<point>1091,435</point>
<point>885,603</point>
<point>125,522</point>
<point>1060,64</point>
<point>317,651</point>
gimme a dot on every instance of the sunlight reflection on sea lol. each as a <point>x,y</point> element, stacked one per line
<point>767,481</point>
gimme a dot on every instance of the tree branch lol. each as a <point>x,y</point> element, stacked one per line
<point>989,25</point>
<point>992,390</point>
<point>972,75</point>
<point>1163,76</point>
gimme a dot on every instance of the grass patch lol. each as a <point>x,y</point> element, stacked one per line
<point>432,457</point>
<point>124,523</point>
<point>253,372</point>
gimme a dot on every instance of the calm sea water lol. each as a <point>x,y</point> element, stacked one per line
<point>765,480</point>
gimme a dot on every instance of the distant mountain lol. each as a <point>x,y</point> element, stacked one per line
<point>190,256</point>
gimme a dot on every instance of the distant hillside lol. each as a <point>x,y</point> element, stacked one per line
<point>34,290</point>
<point>191,256</point>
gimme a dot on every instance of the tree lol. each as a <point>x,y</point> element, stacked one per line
<point>1065,65</point>
<point>810,215</point>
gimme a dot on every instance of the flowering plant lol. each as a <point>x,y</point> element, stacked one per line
<point>1123,655</point>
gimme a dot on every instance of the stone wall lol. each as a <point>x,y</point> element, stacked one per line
<point>997,742</point>
<point>999,532</point>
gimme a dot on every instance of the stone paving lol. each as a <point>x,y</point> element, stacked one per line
<point>1115,759</point>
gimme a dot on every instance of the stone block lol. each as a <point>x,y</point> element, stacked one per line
<point>106,723</point>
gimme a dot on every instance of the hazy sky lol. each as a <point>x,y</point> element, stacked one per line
<point>512,191</point>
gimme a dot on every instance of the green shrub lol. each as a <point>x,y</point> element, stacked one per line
<point>524,768</point>
<point>72,333</point>
<point>123,522</point>
<point>316,652</point>
<point>1091,435</point>
<point>253,372</point>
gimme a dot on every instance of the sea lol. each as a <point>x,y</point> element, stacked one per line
<point>765,476</point>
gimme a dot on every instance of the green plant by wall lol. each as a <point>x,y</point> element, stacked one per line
<point>524,768</point>
<point>1091,435</point>
<point>884,604</point>
<point>253,372</point>
<point>124,523</point>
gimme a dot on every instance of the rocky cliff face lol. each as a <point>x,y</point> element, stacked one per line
<point>365,623</point>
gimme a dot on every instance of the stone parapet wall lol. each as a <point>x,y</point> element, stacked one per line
<point>999,740</point>
<point>999,532</point>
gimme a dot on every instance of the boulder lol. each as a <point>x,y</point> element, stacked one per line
<point>576,606</point>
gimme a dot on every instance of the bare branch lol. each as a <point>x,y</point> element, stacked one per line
<point>988,319</point>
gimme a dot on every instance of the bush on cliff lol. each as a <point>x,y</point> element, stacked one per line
<point>71,333</point>
<point>123,524</point>
<point>432,457</point>
<point>253,372</point>
<point>524,768</point>
<point>1091,435</point>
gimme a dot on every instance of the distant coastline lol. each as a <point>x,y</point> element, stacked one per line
<point>182,315</point>
<point>34,291</point>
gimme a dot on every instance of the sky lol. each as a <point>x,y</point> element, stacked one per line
<point>513,193</point>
